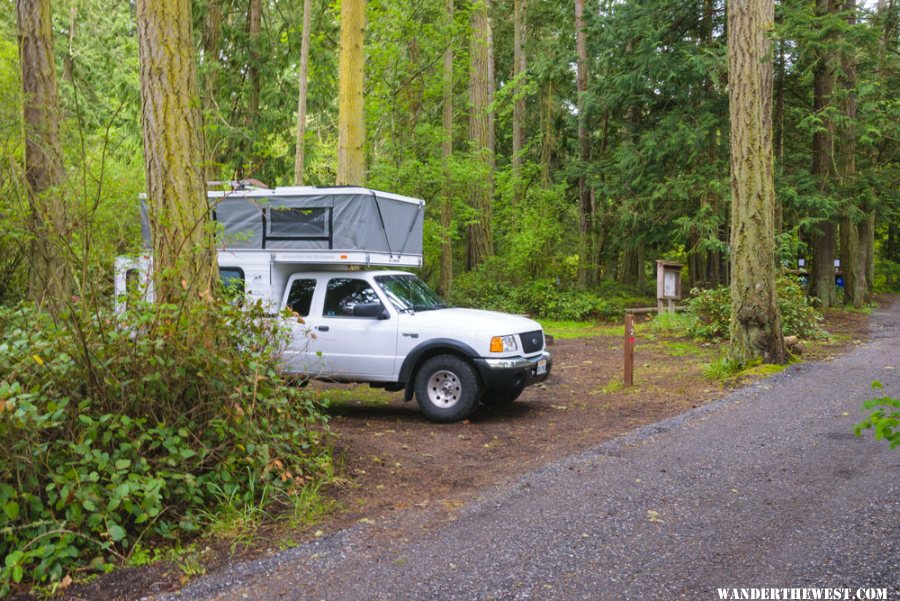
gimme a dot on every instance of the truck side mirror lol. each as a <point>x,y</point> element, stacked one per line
<point>370,310</point>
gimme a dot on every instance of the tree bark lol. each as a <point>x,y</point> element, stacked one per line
<point>779,136</point>
<point>184,257</point>
<point>212,44</point>
<point>547,139</point>
<point>299,156</point>
<point>518,122</point>
<point>446,271</point>
<point>50,275</point>
<point>585,215</point>
<point>823,165</point>
<point>755,332</point>
<point>852,248</point>
<point>351,118</point>
<point>254,27</point>
<point>481,137</point>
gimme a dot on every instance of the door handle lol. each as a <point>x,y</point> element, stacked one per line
<point>322,328</point>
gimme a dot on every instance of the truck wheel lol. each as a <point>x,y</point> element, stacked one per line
<point>447,388</point>
<point>502,398</point>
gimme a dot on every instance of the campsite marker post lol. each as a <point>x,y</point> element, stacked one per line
<point>629,349</point>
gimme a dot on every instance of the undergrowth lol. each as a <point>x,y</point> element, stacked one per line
<point>495,286</point>
<point>711,311</point>
<point>116,429</point>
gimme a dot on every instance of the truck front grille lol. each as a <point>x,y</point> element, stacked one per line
<point>532,342</point>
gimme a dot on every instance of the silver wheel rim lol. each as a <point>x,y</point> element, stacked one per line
<point>444,389</point>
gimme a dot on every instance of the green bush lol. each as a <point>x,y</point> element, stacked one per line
<point>118,428</point>
<point>494,286</point>
<point>712,309</point>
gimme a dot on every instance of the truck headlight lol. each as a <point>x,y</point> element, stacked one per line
<point>503,344</point>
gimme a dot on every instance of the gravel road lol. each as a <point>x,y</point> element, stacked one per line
<point>767,487</point>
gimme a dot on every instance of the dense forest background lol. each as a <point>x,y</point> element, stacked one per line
<point>603,152</point>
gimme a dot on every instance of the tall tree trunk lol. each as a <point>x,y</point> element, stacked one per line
<point>585,216</point>
<point>184,253</point>
<point>351,167</point>
<point>212,46</point>
<point>446,275</point>
<point>50,276</point>
<point>779,135</point>
<point>755,331</point>
<point>823,165</point>
<point>547,138</point>
<point>481,137</point>
<point>254,27</point>
<point>518,123</point>
<point>301,99</point>
<point>852,252</point>
<point>867,234</point>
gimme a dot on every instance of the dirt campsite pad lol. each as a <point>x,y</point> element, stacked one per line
<point>391,460</point>
<point>395,459</point>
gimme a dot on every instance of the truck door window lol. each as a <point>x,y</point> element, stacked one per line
<point>300,297</point>
<point>343,294</point>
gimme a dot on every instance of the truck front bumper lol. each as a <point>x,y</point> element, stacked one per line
<point>513,372</point>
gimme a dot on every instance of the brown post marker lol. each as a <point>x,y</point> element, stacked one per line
<point>629,349</point>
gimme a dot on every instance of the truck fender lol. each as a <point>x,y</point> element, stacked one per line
<point>435,346</point>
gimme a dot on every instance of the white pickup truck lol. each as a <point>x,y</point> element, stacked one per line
<point>389,329</point>
<point>295,247</point>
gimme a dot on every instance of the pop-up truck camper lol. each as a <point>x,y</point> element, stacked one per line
<point>294,247</point>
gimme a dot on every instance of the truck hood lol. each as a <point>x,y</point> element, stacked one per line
<point>473,321</point>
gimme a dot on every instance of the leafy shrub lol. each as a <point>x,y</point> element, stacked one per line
<point>712,309</point>
<point>884,420</point>
<point>116,428</point>
<point>494,286</point>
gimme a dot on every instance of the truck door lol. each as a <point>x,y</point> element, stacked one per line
<point>355,340</point>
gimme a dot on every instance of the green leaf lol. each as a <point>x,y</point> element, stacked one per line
<point>116,532</point>
<point>11,509</point>
<point>123,464</point>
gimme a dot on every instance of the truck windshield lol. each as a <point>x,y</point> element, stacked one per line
<point>409,293</point>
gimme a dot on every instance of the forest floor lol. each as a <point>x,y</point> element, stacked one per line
<point>392,460</point>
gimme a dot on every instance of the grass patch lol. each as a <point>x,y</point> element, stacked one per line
<point>356,395</point>
<point>725,369</point>
<point>676,348</point>
<point>237,518</point>
<point>564,330</point>
<point>613,386</point>
<point>673,324</point>
<point>310,506</point>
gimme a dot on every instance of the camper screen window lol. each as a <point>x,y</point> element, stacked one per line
<point>298,223</point>
<point>300,297</point>
<point>232,278</point>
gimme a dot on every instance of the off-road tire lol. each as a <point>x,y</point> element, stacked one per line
<point>448,388</point>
